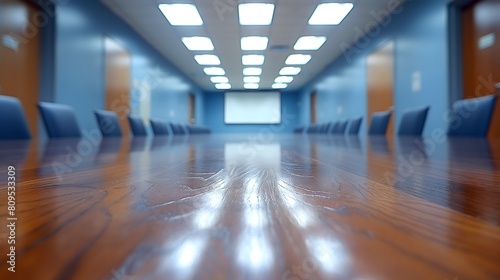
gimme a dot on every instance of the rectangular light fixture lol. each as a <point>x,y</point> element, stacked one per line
<point>181,14</point>
<point>279,85</point>
<point>252,59</point>
<point>309,43</point>
<point>223,86</point>
<point>219,79</point>
<point>297,59</point>
<point>330,13</point>
<point>207,59</point>
<point>254,43</point>
<point>256,13</point>
<point>198,43</point>
<point>251,86</point>
<point>251,79</point>
<point>283,79</point>
<point>290,71</point>
<point>214,71</point>
<point>252,71</point>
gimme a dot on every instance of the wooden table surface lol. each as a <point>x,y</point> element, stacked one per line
<point>258,206</point>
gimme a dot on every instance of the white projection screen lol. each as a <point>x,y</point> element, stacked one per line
<point>252,108</point>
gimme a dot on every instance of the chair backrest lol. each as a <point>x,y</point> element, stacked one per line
<point>354,126</point>
<point>60,120</point>
<point>413,121</point>
<point>137,126</point>
<point>159,127</point>
<point>13,124</point>
<point>177,129</point>
<point>380,121</point>
<point>472,117</point>
<point>339,127</point>
<point>333,127</point>
<point>108,123</point>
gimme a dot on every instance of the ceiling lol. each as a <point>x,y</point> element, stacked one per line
<point>290,22</point>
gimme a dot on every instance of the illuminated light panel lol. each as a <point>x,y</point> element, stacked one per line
<point>251,86</point>
<point>181,14</point>
<point>256,13</point>
<point>214,71</point>
<point>279,86</point>
<point>254,43</point>
<point>252,59</point>
<point>290,71</point>
<point>223,86</point>
<point>207,59</point>
<point>219,79</point>
<point>283,79</point>
<point>297,59</point>
<point>330,13</point>
<point>252,71</point>
<point>251,79</point>
<point>309,43</point>
<point>198,43</point>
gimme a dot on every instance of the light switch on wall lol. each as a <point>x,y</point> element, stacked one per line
<point>340,110</point>
<point>416,81</point>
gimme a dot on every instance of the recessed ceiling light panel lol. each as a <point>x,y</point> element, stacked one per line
<point>198,43</point>
<point>254,43</point>
<point>283,79</point>
<point>309,43</point>
<point>297,59</point>
<point>207,59</point>
<point>252,59</point>
<point>256,13</point>
<point>251,86</point>
<point>290,71</point>
<point>214,71</point>
<point>181,14</point>
<point>279,85</point>
<point>252,71</point>
<point>330,13</point>
<point>251,79</point>
<point>223,86</point>
<point>219,79</point>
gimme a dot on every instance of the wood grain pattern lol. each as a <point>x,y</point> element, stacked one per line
<point>233,207</point>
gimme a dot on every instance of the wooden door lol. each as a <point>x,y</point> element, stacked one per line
<point>20,56</point>
<point>481,53</point>
<point>380,81</point>
<point>313,107</point>
<point>118,82</point>
<point>192,109</point>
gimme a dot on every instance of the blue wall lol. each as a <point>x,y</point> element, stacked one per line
<point>419,30</point>
<point>80,30</point>
<point>214,115</point>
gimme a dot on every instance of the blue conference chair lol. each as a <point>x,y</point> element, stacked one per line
<point>60,120</point>
<point>413,121</point>
<point>159,127</point>
<point>354,126</point>
<point>339,127</point>
<point>108,123</point>
<point>12,118</point>
<point>472,117</point>
<point>176,129</point>
<point>137,126</point>
<point>380,122</point>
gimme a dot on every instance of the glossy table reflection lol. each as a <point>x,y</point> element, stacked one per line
<point>254,207</point>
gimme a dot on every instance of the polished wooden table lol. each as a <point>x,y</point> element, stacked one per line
<point>261,206</point>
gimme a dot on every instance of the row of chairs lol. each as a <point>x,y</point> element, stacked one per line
<point>60,122</point>
<point>468,117</point>
<point>350,127</point>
